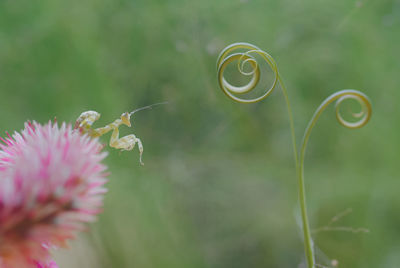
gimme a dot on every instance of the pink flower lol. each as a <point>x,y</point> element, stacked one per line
<point>51,184</point>
<point>49,264</point>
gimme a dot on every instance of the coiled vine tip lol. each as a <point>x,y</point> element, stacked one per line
<point>366,108</point>
<point>244,54</point>
<point>363,116</point>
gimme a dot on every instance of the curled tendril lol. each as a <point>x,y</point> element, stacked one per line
<point>226,57</point>
<point>363,116</point>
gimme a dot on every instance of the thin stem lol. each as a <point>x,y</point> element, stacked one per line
<point>308,245</point>
<point>291,121</point>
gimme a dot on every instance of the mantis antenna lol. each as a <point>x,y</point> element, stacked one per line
<point>148,107</point>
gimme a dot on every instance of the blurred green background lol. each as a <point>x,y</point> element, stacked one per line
<point>218,188</point>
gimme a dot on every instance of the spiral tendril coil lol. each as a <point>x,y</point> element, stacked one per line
<point>228,55</point>
<point>363,116</point>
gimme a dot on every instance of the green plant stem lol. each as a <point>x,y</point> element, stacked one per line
<point>291,121</point>
<point>308,247</point>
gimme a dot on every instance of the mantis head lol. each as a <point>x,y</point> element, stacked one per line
<point>126,119</point>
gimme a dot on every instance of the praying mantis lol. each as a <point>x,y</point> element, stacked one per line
<point>127,143</point>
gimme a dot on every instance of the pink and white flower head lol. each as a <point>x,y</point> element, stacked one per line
<point>51,184</point>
